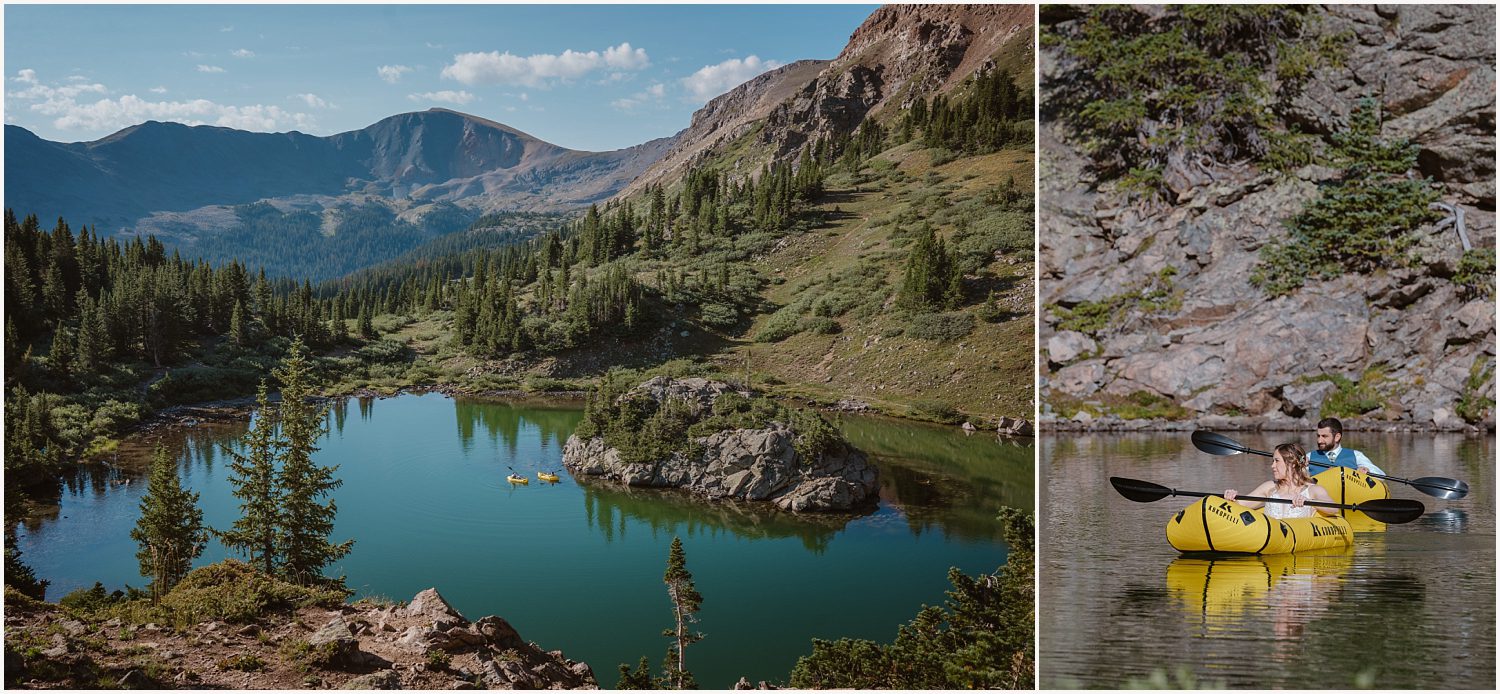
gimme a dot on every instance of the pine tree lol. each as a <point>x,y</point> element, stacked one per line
<point>170,530</point>
<point>928,273</point>
<point>686,601</point>
<point>366,323</point>
<point>640,678</point>
<point>253,476</point>
<point>20,576</point>
<point>307,521</point>
<point>237,332</point>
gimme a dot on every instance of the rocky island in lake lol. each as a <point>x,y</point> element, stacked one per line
<point>715,440</point>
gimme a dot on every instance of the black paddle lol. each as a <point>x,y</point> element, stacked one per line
<point>1390,511</point>
<point>1440,487</point>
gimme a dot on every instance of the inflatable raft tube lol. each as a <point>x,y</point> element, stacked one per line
<point>1214,524</point>
<point>1350,486</point>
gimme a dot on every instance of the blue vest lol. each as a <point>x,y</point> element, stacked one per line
<point>1345,459</point>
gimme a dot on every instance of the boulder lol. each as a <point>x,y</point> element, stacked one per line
<point>345,648</point>
<point>1306,399</point>
<point>429,604</point>
<point>385,679</point>
<point>1068,345</point>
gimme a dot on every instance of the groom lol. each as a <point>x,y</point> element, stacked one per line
<point>1332,453</point>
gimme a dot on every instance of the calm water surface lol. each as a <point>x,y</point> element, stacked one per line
<point>1411,607</point>
<point>577,565</point>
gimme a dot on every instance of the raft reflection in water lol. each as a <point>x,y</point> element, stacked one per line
<point>1291,589</point>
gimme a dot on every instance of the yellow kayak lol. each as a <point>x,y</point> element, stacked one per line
<point>517,479</point>
<point>1350,486</point>
<point>1213,524</point>
<point>547,477</point>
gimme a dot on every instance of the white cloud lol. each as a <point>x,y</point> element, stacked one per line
<point>392,73</point>
<point>77,78</point>
<point>653,93</point>
<point>158,90</point>
<point>210,68</point>
<point>50,94</point>
<point>226,29</point>
<point>27,76</point>
<point>446,96</point>
<point>62,104</point>
<point>314,101</point>
<point>713,80</point>
<point>542,68</point>
<point>243,53</point>
<point>623,57</point>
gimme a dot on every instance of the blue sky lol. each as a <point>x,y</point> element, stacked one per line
<point>591,77</point>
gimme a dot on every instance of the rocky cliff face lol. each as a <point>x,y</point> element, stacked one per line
<point>899,53</point>
<point>739,464</point>
<point>1409,338</point>
<point>728,117</point>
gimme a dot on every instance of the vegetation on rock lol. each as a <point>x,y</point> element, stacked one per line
<point>1150,92</point>
<point>1361,222</point>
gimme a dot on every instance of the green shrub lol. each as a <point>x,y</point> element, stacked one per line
<point>244,662</point>
<point>233,591</point>
<point>1182,83</point>
<point>1147,405</point>
<point>937,411</point>
<point>1475,401</point>
<point>717,315</point>
<point>819,326</point>
<point>386,352</point>
<point>86,600</point>
<point>1154,294</point>
<point>1363,221</point>
<point>1350,398</point>
<point>782,324</point>
<point>1476,273</point>
<point>940,327</point>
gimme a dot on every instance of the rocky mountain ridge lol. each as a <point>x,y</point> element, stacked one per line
<point>409,160</point>
<point>899,53</point>
<point>1409,341</point>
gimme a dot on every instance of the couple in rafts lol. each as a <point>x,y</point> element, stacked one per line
<point>1291,480</point>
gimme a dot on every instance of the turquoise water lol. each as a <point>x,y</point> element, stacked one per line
<point>577,565</point>
<point>1410,607</point>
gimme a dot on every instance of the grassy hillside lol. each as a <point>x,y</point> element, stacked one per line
<point>833,288</point>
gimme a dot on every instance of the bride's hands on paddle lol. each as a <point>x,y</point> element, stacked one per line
<point>1229,494</point>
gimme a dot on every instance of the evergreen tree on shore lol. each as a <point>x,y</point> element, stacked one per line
<point>253,476</point>
<point>170,530</point>
<point>307,520</point>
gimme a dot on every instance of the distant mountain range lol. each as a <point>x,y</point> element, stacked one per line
<point>412,159</point>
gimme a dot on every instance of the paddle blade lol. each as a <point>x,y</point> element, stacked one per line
<point>1219,444</point>
<point>1136,490</point>
<point>1393,511</point>
<point>1441,487</point>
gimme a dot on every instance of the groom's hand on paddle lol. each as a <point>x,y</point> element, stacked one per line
<point>1229,494</point>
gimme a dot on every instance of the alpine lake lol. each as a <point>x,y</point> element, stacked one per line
<point>1412,606</point>
<point>577,565</point>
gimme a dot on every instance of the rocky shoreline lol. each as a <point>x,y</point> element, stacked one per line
<point>1223,423</point>
<point>422,644</point>
<point>761,463</point>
